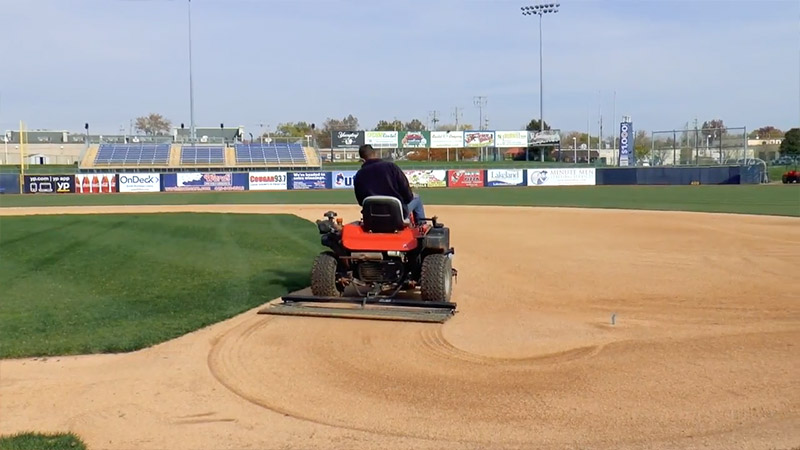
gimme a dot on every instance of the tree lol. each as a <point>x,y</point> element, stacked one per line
<point>791,143</point>
<point>641,145</point>
<point>384,125</point>
<point>766,132</point>
<point>349,123</point>
<point>415,125</point>
<point>452,127</point>
<point>292,129</point>
<point>713,130</point>
<point>533,125</point>
<point>153,124</point>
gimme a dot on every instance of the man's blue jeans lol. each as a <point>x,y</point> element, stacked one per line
<point>416,207</point>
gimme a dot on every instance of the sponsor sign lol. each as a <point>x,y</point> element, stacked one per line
<point>626,137</point>
<point>381,139</point>
<point>447,139</point>
<point>505,139</point>
<point>195,181</point>
<point>479,138</point>
<point>415,139</point>
<point>95,183</point>
<point>505,177</point>
<point>139,182</point>
<point>347,139</point>
<point>268,181</point>
<point>562,177</point>
<point>49,184</point>
<point>465,178</point>
<point>342,179</point>
<point>543,137</point>
<point>309,180</point>
<point>426,178</point>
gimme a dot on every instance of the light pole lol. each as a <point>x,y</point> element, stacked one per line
<point>192,133</point>
<point>574,149</point>
<point>480,102</point>
<point>540,10</point>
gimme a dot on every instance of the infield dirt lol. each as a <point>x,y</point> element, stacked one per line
<point>704,352</point>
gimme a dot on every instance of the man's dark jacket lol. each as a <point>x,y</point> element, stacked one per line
<point>379,177</point>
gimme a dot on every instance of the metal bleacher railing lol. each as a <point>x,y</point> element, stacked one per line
<point>193,154</point>
<point>132,154</point>
<point>280,153</point>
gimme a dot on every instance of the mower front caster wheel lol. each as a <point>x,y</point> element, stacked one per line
<point>436,279</point>
<point>323,276</point>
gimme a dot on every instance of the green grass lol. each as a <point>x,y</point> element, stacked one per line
<point>38,441</point>
<point>745,199</point>
<point>114,283</point>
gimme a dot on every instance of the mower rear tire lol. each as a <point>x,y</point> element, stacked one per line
<point>436,278</point>
<point>323,276</point>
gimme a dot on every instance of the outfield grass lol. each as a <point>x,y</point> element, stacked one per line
<point>745,199</point>
<point>38,441</point>
<point>114,283</point>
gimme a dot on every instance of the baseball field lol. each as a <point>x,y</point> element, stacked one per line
<point>622,317</point>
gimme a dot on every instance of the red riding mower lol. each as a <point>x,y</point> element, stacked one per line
<point>791,176</point>
<point>382,267</point>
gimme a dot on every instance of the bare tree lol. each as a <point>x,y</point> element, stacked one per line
<point>153,124</point>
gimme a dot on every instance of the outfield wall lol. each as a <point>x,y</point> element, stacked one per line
<point>343,179</point>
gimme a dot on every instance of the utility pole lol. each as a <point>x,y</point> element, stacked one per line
<point>480,102</point>
<point>433,116</point>
<point>456,115</point>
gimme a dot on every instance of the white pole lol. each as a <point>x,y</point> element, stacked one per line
<point>574,149</point>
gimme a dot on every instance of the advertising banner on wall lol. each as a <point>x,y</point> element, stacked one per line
<point>546,137</point>
<point>506,139</point>
<point>479,138</point>
<point>505,177</point>
<point>562,177</point>
<point>95,183</point>
<point>342,179</point>
<point>447,139</point>
<point>347,139</point>
<point>415,139</point>
<point>49,184</point>
<point>381,139</point>
<point>627,157</point>
<point>465,178</point>
<point>426,178</point>
<point>268,181</point>
<point>309,180</point>
<point>195,181</point>
<point>139,182</point>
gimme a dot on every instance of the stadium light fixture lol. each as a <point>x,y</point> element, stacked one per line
<point>540,10</point>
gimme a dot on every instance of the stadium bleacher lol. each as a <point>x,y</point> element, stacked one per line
<point>273,153</point>
<point>191,154</point>
<point>132,154</point>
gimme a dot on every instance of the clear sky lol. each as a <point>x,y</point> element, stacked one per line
<point>67,62</point>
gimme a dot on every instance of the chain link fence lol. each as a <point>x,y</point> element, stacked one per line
<point>698,147</point>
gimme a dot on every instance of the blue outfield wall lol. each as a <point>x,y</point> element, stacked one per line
<point>678,175</point>
<point>9,183</point>
<point>343,179</point>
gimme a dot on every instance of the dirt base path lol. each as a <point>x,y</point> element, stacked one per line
<point>704,353</point>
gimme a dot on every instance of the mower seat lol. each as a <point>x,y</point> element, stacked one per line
<point>384,214</point>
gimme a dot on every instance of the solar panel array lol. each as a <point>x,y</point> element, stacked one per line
<point>274,153</point>
<point>191,154</point>
<point>132,154</point>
